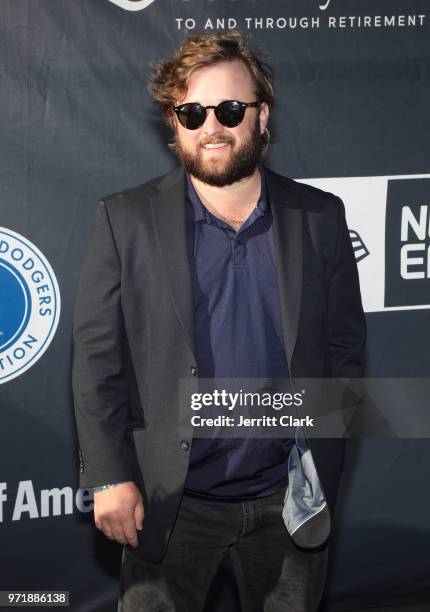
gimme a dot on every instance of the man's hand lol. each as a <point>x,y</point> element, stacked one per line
<point>118,512</point>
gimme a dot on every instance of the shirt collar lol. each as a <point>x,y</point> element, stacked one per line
<point>198,211</point>
<point>263,201</point>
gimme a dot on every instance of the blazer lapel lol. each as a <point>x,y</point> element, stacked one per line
<point>287,229</point>
<point>169,214</point>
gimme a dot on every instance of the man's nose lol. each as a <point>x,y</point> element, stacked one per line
<point>212,126</point>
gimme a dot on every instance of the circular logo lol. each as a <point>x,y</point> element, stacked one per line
<point>132,5</point>
<point>29,305</point>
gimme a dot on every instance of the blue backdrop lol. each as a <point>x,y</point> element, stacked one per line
<point>352,85</point>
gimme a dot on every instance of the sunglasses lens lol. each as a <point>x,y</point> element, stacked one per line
<point>192,116</point>
<point>230,113</point>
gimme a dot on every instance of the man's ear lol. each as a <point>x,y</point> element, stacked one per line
<point>264,116</point>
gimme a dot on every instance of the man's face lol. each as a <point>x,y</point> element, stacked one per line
<point>213,153</point>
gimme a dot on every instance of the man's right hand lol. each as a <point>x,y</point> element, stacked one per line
<point>118,512</point>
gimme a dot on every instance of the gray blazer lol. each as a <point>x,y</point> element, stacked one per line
<point>134,336</point>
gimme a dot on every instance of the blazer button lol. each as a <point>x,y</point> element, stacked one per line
<point>185,445</point>
<point>193,370</point>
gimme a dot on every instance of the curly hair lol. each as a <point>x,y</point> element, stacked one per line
<point>169,78</point>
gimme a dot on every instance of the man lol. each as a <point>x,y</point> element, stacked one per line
<point>221,268</point>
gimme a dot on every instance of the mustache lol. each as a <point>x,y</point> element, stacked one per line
<point>217,140</point>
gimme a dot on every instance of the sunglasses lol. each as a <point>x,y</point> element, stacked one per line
<point>229,113</point>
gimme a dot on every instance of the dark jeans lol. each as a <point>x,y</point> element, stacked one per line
<point>272,574</point>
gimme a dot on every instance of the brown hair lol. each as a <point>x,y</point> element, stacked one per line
<point>169,78</point>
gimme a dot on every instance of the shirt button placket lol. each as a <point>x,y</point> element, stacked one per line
<point>238,253</point>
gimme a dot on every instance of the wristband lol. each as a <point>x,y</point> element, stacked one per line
<point>105,487</point>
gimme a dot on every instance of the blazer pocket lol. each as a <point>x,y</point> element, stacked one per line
<point>312,271</point>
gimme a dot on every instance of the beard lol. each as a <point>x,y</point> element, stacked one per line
<point>240,164</point>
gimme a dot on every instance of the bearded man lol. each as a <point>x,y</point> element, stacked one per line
<point>219,269</point>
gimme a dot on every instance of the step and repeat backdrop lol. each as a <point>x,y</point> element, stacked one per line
<point>352,116</point>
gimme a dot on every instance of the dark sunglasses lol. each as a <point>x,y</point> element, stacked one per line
<point>229,113</point>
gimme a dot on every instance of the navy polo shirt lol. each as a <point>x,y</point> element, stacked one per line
<point>238,334</point>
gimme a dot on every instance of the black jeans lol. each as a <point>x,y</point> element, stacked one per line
<point>272,574</point>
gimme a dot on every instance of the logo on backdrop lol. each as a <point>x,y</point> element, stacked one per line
<point>30,305</point>
<point>132,5</point>
<point>360,249</point>
<point>26,501</point>
<point>311,18</point>
<point>389,221</point>
<point>407,242</point>
<point>139,5</point>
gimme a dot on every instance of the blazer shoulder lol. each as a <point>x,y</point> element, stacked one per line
<point>307,196</point>
<point>139,196</point>
<point>132,196</point>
